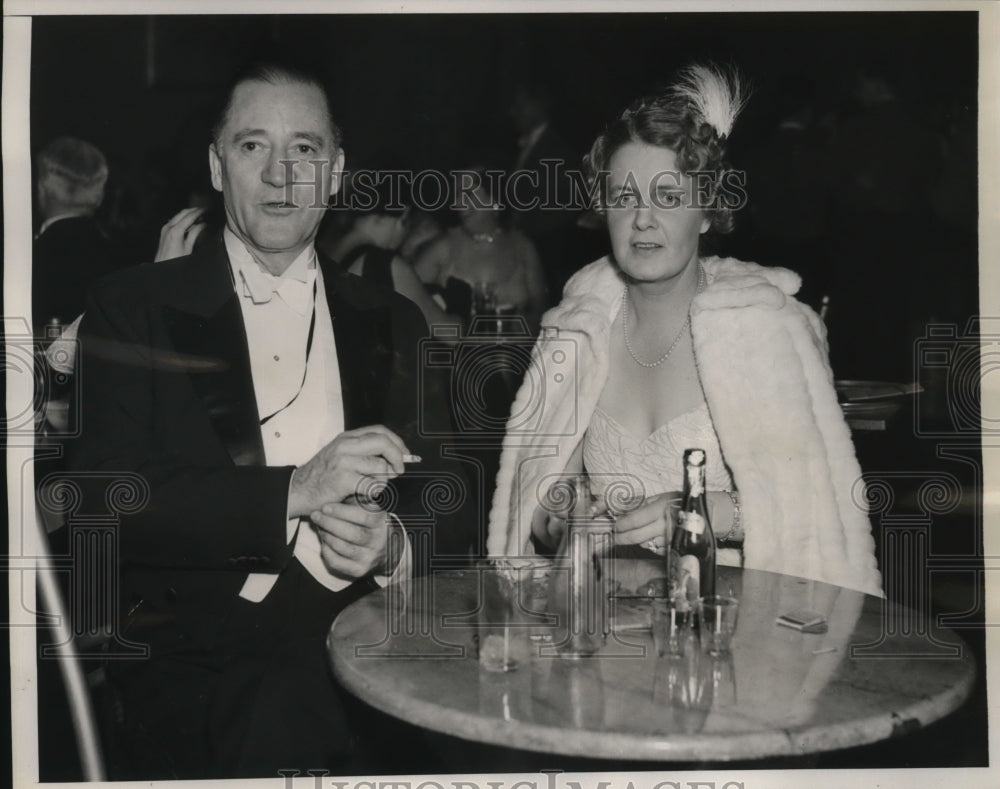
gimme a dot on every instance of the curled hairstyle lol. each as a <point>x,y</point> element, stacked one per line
<point>275,73</point>
<point>693,117</point>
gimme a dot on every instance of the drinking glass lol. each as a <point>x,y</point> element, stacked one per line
<point>717,623</point>
<point>502,631</point>
<point>723,681</point>
<point>484,298</point>
<point>672,630</point>
<point>581,585</point>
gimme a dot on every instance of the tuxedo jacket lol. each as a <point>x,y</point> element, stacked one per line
<point>167,395</point>
<point>67,259</point>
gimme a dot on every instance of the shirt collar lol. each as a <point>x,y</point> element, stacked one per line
<point>255,283</point>
<point>53,219</point>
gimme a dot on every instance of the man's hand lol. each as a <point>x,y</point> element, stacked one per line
<point>357,462</point>
<point>354,539</point>
<point>178,235</point>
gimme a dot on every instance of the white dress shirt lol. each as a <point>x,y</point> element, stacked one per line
<point>304,401</point>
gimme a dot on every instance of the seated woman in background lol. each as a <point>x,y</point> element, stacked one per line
<point>487,256</point>
<point>369,249</point>
<point>422,229</point>
<point>674,351</point>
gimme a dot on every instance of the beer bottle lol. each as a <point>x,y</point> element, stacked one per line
<point>691,567</point>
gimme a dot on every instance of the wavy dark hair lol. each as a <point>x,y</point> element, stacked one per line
<point>275,72</point>
<point>693,117</point>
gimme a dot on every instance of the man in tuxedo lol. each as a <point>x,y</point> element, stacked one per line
<point>270,402</point>
<point>70,251</point>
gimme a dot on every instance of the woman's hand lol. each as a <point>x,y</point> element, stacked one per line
<point>548,529</point>
<point>178,235</point>
<point>651,524</point>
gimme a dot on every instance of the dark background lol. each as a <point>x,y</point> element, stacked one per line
<point>873,203</point>
<point>866,202</point>
<point>429,86</point>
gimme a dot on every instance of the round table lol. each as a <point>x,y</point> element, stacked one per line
<point>880,670</point>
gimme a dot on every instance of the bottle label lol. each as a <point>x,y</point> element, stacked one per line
<point>693,522</point>
<point>685,581</point>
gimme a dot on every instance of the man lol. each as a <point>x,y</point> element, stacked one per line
<point>267,399</point>
<point>70,251</point>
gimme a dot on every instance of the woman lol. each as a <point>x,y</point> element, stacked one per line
<point>675,350</point>
<point>485,255</point>
<point>369,249</point>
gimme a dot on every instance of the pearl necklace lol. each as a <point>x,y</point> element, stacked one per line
<point>677,339</point>
<point>484,238</point>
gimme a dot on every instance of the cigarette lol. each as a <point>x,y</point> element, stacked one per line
<point>824,651</point>
<point>412,459</point>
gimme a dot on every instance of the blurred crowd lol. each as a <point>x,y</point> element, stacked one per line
<point>868,193</point>
<point>870,196</point>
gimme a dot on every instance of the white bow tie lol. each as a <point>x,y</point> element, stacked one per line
<point>261,286</point>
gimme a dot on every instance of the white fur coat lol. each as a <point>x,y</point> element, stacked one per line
<point>762,360</point>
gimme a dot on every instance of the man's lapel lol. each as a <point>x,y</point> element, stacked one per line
<point>362,329</point>
<point>205,324</point>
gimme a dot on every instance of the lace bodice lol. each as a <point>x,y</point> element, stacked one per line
<point>612,455</point>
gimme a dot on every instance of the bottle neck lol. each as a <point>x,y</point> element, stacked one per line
<point>693,516</point>
<point>694,482</point>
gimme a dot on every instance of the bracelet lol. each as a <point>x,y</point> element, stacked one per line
<point>734,496</point>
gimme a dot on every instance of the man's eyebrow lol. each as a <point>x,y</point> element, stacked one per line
<point>316,139</point>
<point>244,133</point>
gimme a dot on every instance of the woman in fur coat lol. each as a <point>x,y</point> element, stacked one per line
<point>656,349</point>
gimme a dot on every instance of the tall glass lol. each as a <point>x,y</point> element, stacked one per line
<point>484,298</point>
<point>502,629</point>
<point>717,617</point>
<point>581,585</point>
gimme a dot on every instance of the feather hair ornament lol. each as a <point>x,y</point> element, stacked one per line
<point>717,96</point>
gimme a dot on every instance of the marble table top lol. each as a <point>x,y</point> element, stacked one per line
<point>879,671</point>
